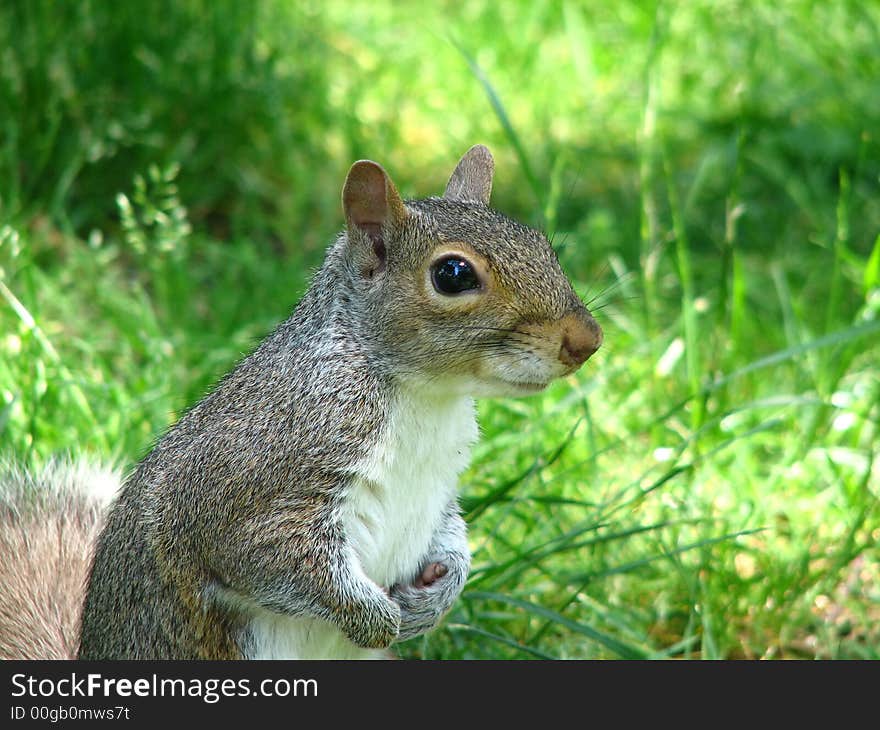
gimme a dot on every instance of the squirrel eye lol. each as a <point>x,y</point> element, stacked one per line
<point>454,275</point>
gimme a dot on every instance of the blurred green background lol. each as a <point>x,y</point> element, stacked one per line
<point>709,172</point>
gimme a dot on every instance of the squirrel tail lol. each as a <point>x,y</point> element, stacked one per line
<point>49,524</point>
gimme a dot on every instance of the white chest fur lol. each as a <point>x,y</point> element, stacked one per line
<point>405,484</point>
<point>397,499</point>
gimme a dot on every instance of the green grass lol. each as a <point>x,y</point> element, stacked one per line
<point>709,173</point>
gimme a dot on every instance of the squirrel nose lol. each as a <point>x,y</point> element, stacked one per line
<point>581,337</point>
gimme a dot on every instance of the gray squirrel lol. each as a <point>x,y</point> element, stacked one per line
<point>307,506</point>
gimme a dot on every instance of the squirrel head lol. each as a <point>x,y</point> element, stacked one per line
<point>456,295</point>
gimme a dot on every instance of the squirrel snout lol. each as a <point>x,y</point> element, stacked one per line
<point>581,337</point>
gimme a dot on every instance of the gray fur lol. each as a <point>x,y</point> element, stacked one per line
<point>239,504</point>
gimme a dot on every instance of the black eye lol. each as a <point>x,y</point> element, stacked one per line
<point>454,275</point>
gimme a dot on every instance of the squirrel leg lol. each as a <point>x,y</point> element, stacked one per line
<point>445,569</point>
<point>310,571</point>
<point>363,610</point>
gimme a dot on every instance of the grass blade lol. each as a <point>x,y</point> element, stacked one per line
<point>500,639</point>
<point>506,124</point>
<point>623,650</point>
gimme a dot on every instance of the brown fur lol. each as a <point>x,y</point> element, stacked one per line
<point>48,529</point>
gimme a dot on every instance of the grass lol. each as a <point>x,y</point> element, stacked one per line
<point>706,487</point>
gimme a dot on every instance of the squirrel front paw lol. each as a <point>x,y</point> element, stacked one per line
<point>376,627</point>
<point>431,595</point>
<point>430,574</point>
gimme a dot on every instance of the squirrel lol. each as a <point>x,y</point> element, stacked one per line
<point>307,507</point>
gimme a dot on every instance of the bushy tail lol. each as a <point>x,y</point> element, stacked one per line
<point>49,523</point>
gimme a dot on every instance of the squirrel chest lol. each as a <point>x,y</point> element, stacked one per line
<point>396,499</point>
<point>405,482</point>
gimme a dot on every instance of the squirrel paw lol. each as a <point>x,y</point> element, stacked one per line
<point>376,626</point>
<point>430,596</point>
<point>430,574</point>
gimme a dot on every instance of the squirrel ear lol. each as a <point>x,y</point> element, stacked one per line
<point>472,178</point>
<point>370,200</point>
